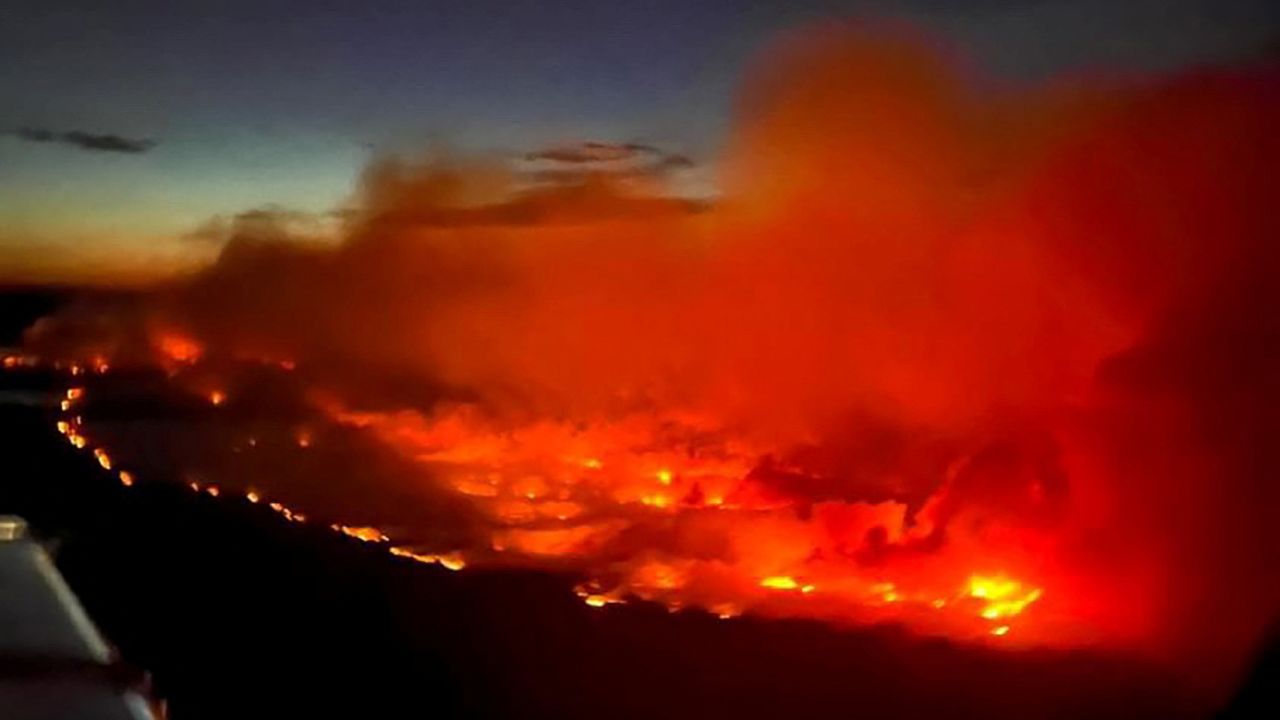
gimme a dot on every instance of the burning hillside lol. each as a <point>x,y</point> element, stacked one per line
<point>993,366</point>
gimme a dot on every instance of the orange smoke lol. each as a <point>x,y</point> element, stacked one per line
<point>988,364</point>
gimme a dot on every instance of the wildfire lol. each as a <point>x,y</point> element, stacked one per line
<point>450,561</point>
<point>1003,597</point>
<point>779,582</point>
<point>287,513</point>
<point>364,534</point>
<point>179,348</point>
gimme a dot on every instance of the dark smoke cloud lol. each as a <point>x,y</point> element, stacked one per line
<point>593,152</point>
<point>95,142</point>
<point>575,164</point>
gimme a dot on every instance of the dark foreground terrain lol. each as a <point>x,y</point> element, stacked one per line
<point>238,614</point>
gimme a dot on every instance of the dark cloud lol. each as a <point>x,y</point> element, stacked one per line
<point>569,164</point>
<point>98,142</point>
<point>592,151</point>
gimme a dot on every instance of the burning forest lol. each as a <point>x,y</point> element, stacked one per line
<point>993,365</point>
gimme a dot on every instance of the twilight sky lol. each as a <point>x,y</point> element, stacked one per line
<point>126,125</point>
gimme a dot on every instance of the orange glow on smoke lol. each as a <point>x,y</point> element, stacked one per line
<point>179,348</point>
<point>992,367</point>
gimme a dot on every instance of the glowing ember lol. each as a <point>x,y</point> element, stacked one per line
<point>126,478</point>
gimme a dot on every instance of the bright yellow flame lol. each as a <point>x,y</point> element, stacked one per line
<point>64,427</point>
<point>1004,597</point>
<point>252,496</point>
<point>213,491</point>
<point>665,477</point>
<point>998,631</point>
<point>103,459</point>
<point>779,582</point>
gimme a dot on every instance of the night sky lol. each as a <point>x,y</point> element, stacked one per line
<point>126,126</point>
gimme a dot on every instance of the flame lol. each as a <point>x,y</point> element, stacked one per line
<point>779,582</point>
<point>1004,597</point>
<point>451,561</point>
<point>126,478</point>
<point>217,397</point>
<point>103,459</point>
<point>364,534</point>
